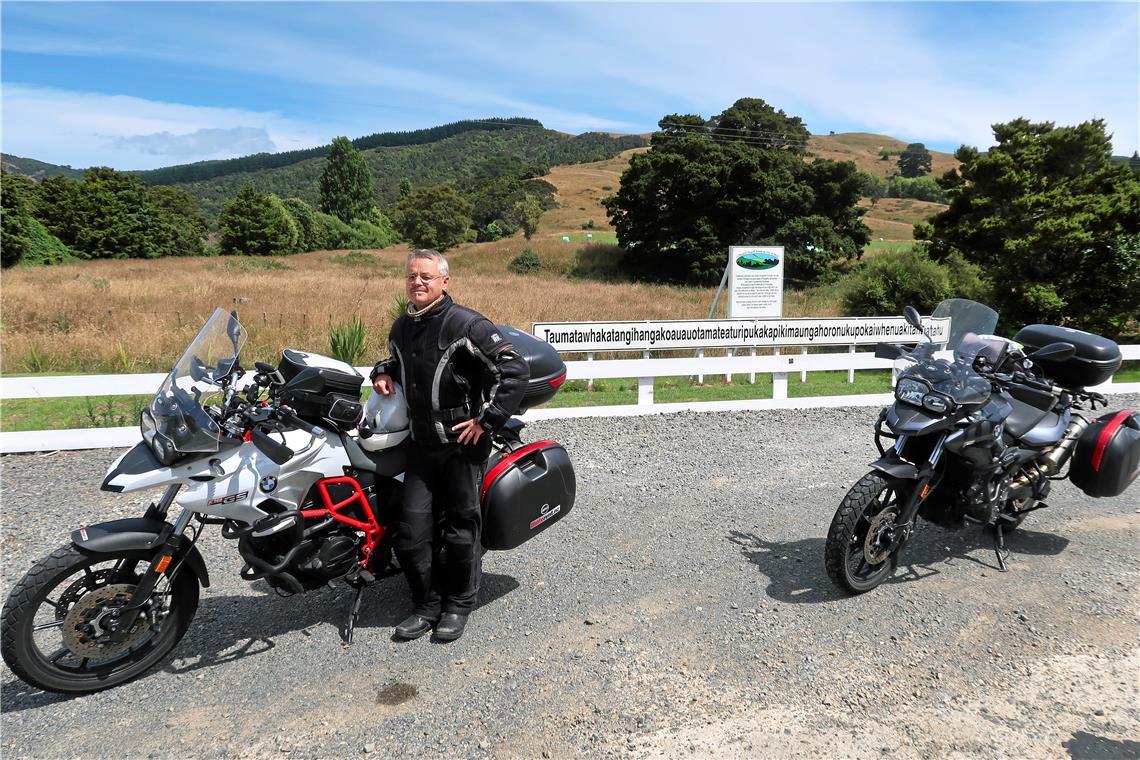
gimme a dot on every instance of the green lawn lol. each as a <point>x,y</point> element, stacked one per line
<point>117,411</point>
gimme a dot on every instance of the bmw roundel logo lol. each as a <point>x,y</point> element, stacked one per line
<point>268,483</point>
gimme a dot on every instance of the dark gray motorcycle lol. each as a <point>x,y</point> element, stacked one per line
<point>979,436</point>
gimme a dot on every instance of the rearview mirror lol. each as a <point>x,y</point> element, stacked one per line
<point>912,317</point>
<point>888,351</point>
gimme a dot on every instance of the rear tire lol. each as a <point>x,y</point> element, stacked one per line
<point>55,635</point>
<point>856,561</point>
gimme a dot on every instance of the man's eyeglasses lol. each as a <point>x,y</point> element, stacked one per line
<point>425,279</point>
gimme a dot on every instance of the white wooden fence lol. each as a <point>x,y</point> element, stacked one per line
<point>645,369</point>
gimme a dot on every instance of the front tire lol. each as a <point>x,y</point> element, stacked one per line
<point>56,634</point>
<point>863,538</point>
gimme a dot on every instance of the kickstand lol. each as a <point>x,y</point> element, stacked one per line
<point>353,615</point>
<point>999,547</point>
<point>359,580</point>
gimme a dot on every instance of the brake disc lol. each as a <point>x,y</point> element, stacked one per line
<point>89,625</point>
<point>875,548</point>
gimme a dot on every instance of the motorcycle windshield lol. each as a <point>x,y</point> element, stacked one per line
<point>966,317</point>
<point>955,379</point>
<point>176,417</point>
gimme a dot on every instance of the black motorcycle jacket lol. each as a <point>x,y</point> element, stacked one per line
<point>453,365</point>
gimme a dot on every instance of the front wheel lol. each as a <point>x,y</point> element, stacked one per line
<point>59,620</point>
<point>864,534</point>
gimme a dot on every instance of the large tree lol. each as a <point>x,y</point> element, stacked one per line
<point>915,161</point>
<point>1053,223</point>
<point>346,183</point>
<point>739,178</point>
<point>433,217</point>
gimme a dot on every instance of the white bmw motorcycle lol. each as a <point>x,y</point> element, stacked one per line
<point>284,463</point>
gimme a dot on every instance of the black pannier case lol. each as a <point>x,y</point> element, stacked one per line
<point>547,370</point>
<point>525,492</point>
<point>1107,458</point>
<point>321,390</point>
<point>1095,361</point>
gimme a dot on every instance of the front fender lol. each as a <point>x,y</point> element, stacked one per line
<point>141,535</point>
<point>895,468</point>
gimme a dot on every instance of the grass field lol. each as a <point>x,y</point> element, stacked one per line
<point>117,411</point>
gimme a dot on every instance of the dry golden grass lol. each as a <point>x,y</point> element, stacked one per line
<point>864,148</point>
<point>133,316</point>
<point>581,188</point>
<point>894,218</point>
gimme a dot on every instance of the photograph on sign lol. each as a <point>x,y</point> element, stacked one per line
<point>755,281</point>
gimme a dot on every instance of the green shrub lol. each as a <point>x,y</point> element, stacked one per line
<point>312,231</point>
<point>525,262</point>
<point>496,229</point>
<point>919,188</point>
<point>890,281</point>
<point>258,224</point>
<point>347,341</point>
<point>600,261</point>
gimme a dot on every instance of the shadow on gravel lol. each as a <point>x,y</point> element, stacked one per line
<point>18,696</point>
<point>1086,746</point>
<point>230,628</point>
<point>797,575</point>
<point>794,568</point>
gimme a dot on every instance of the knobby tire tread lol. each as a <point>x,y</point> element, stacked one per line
<point>842,529</point>
<point>42,572</point>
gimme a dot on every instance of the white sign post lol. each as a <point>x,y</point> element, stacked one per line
<point>755,281</point>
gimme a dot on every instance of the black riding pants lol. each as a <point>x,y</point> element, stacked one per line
<point>439,529</point>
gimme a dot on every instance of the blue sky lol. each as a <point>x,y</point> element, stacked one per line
<point>142,84</point>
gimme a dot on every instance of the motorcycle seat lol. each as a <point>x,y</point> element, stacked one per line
<point>1033,426</point>
<point>387,463</point>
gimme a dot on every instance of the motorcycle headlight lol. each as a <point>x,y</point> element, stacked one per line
<point>911,391</point>
<point>936,402</point>
<point>160,445</point>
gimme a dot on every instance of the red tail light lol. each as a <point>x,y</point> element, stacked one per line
<point>558,380</point>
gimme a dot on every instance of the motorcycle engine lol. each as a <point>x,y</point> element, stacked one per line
<point>332,556</point>
<point>985,495</point>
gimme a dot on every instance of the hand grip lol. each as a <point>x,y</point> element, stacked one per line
<point>278,452</point>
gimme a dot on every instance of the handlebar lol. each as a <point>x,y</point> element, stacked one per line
<point>286,415</point>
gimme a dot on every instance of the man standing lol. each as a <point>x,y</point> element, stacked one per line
<point>462,380</point>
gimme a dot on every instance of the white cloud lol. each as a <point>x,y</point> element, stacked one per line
<point>93,129</point>
<point>203,142</point>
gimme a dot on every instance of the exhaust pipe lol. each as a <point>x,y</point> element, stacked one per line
<point>1056,457</point>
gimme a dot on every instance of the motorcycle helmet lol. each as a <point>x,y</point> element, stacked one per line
<point>385,422</point>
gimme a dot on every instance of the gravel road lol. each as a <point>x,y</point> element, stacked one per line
<point>681,609</point>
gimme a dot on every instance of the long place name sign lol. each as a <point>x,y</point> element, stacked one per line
<point>734,333</point>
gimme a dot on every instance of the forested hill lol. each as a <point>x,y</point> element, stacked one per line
<point>37,170</point>
<point>204,170</point>
<point>464,159</point>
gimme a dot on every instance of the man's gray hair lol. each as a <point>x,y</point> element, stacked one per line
<point>428,253</point>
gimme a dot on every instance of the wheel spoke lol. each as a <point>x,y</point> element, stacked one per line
<point>58,655</point>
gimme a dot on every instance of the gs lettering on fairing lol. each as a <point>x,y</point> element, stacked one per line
<point>228,499</point>
<point>301,476</point>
